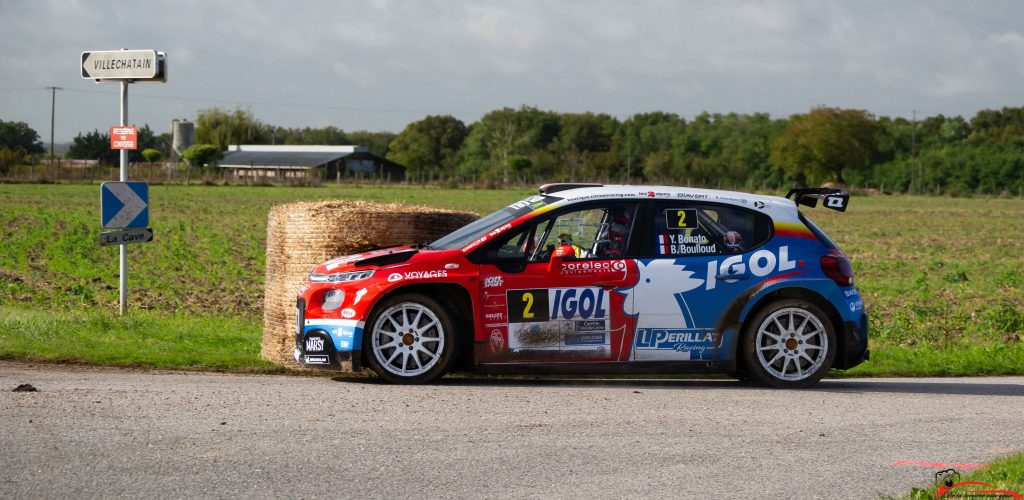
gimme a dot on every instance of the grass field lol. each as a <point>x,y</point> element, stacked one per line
<point>1005,474</point>
<point>943,278</point>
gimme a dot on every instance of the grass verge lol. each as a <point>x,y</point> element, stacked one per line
<point>1006,474</point>
<point>949,361</point>
<point>142,338</point>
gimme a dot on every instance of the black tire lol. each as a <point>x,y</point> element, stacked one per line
<point>417,334</point>
<point>788,344</point>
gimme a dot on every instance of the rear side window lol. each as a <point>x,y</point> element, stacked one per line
<point>689,229</point>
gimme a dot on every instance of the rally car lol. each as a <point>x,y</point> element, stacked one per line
<point>599,279</point>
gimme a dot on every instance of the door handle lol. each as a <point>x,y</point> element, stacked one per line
<point>741,276</point>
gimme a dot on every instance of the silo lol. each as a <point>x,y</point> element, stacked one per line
<point>183,136</point>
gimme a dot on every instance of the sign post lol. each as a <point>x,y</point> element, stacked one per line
<point>124,67</point>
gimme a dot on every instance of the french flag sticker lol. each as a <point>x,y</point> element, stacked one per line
<point>663,244</point>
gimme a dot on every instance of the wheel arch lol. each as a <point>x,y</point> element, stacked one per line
<point>459,305</point>
<point>792,292</point>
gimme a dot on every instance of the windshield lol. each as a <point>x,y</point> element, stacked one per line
<point>470,232</point>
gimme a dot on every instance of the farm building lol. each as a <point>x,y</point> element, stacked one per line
<point>325,162</point>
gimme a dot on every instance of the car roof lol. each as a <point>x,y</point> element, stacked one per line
<point>572,193</point>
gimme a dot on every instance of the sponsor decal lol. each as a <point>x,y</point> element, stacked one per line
<point>759,205</point>
<point>359,295</point>
<point>533,202</point>
<point>694,344</point>
<point>852,292</point>
<point>348,313</point>
<point>584,339</point>
<point>692,196</point>
<point>317,360</point>
<point>856,305</point>
<point>566,319</point>
<point>451,265</point>
<point>498,230</point>
<point>494,316</point>
<point>760,263</point>
<point>652,194</point>
<point>417,275</point>
<point>588,267</point>
<point>538,305</point>
<point>493,281</point>
<point>677,244</point>
<point>731,198</point>
<point>314,344</point>
<point>497,341</point>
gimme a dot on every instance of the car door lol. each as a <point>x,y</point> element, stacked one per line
<point>694,269</point>
<point>549,289</point>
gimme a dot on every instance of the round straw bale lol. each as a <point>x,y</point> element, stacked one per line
<point>302,235</point>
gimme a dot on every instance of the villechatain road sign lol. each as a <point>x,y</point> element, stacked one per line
<point>124,204</point>
<point>118,65</point>
<point>124,138</point>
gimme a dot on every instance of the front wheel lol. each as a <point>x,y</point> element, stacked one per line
<point>410,339</point>
<point>789,344</point>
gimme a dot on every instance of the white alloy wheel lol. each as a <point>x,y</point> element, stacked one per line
<point>408,339</point>
<point>792,344</point>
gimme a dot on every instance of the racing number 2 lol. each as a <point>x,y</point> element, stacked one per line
<point>681,218</point>
<point>527,305</point>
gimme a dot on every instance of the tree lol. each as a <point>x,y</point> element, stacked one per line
<point>222,128</point>
<point>428,146</point>
<point>151,155</point>
<point>93,146</point>
<point>202,155</point>
<point>10,157</point>
<point>646,134</point>
<point>581,139</point>
<point>505,133</point>
<point>19,134</point>
<point>378,142</point>
<point>821,145</point>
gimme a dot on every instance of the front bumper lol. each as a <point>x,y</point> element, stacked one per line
<point>327,344</point>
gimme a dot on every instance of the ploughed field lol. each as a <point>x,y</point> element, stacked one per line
<point>942,278</point>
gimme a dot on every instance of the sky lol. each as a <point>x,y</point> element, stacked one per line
<point>379,65</point>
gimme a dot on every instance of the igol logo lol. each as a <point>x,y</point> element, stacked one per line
<point>761,263</point>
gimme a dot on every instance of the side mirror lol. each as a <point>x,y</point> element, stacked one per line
<point>560,254</point>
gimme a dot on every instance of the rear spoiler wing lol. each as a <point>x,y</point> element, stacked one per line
<point>836,199</point>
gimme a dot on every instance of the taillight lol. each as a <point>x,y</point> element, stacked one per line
<point>835,265</point>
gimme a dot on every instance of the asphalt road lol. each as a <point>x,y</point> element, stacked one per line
<point>92,432</point>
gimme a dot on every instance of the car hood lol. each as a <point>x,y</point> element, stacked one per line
<point>373,259</point>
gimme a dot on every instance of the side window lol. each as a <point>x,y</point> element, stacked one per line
<point>595,232</point>
<point>687,229</point>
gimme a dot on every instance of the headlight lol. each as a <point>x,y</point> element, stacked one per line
<point>340,277</point>
<point>332,300</point>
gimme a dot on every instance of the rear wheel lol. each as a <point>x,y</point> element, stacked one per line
<point>789,344</point>
<point>410,339</point>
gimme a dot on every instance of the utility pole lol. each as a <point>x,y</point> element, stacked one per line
<point>913,153</point>
<point>53,107</point>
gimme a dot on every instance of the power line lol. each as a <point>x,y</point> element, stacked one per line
<point>286,105</point>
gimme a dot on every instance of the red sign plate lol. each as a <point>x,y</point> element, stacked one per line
<point>124,138</point>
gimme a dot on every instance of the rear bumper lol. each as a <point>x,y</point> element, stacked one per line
<point>855,348</point>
